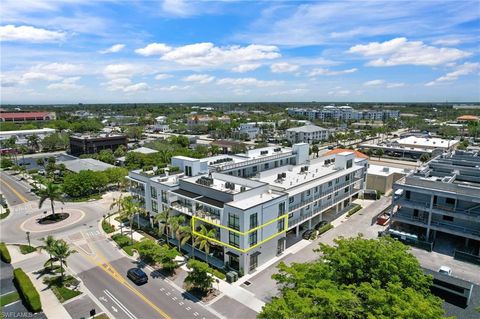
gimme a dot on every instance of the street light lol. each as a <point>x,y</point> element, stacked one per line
<point>28,238</point>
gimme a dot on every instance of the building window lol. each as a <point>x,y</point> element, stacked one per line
<point>254,169</point>
<point>336,194</point>
<point>281,209</point>
<point>234,239</point>
<point>234,262</point>
<point>346,189</point>
<point>349,163</point>
<point>164,197</point>
<point>330,184</point>
<point>253,261</point>
<point>153,192</point>
<point>233,221</point>
<point>308,192</point>
<point>154,206</point>
<point>347,178</point>
<point>329,197</point>
<point>291,200</point>
<point>447,218</point>
<point>252,238</point>
<point>316,189</point>
<point>450,201</point>
<point>337,180</point>
<point>281,224</point>
<point>253,220</point>
<point>266,165</point>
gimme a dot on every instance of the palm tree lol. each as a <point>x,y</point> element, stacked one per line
<point>184,235</point>
<point>61,250</point>
<point>163,219</point>
<point>33,141</point>
<point>48,246</point>
<point>53,192</point>
<point>129,209</point>
<point>203,241</point>
<point>315,149</point>
<point>116,203</point>
<point>176,223</point>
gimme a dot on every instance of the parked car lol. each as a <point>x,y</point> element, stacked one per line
<point>330,147</point>
<point>137,275</point>
<point>320,224</point>
<point>307,234</point>
<point>445,270</point>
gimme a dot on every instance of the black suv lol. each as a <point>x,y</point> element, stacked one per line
<point>320,224</point>
<point>138,276</point>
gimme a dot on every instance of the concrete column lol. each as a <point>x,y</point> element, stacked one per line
<point>429,216</point>
<point>297,230</point>
<point>310,223</point>
<point>467,240</point>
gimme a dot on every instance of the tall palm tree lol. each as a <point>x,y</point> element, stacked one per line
<point>33,141</point>
<point>203,242</point>
<point>129,209</point>
<point>52,192</point>
<point>176,223</point>
<point>61,250</point>
<point>48,246</point>
<point>163,219</point>
<point>184,235</point>
<point>116,203</point>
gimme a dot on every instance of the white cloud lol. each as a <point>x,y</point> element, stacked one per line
<point>174,88</point>
<point>321,71</point>
<point>283,67</point>
<point>113,71</point>
<point>242,68</point>
<point>447,42</point>
<point>395,85</point>
<point>58,68</point>
<point>136,87</point>
<point>200,78</point>
<point>247,82</point>
<point>163,76</point>
<point>31,76</point>
<point>374,83</point>
<point>297,91</point>
<point>30,34</point>
<point>126,85</point>
<point>113,49</point>
<point>339,92</point>
<point>154,49</point>
<point>464,69</point>
<point>66,84</point>
<point>207,54</point>
<point>177,8</point>
<point>400,51</point>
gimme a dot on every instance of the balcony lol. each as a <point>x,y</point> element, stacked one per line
<point>408,218</point>
<point>137,191</point>
<point>182,209</point>
<point>211,218</point>
<point>451,228</point>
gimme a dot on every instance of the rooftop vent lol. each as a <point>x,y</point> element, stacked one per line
<point>205,181</point>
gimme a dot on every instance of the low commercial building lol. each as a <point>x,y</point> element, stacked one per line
<point>22,135</point>
<point>250,130</point>
<point>85,164</point>
<point>26,116</point>
<point>252,200</point>
<point>90,144</point>
<point>197,120</point>
<point>440,202</point>
<point>306,134</point>
<point>381,178</point>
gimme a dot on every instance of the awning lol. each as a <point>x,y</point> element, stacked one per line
<point>255,253</point>
<point>211,201</point>
<point>185,193</point>
<point>232,254</point>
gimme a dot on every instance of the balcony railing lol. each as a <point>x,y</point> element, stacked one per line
<point>183,209</point>
<point>456,228</point>
<point>253,161</point>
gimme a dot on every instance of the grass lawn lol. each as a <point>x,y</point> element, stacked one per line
<point>124,242</point>
<point>9,298</point>
<point>63,294</point>
<point>102,316</point>
<point>25,249</point>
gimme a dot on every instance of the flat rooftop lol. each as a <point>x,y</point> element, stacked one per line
<point>27,132</point>
<point>430,142</point>
<point>385,170</point>
<point>84,164</point>
<point>254,200</point>
<point>223,183</point>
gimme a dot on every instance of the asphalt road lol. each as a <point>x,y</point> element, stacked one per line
<point>14,190</point>
<point>103,272</point>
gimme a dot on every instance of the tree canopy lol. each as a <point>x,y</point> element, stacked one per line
<point>356,278</point>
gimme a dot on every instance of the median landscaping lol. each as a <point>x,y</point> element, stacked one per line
<point>9,298</point>
<point>355,208</point>
<point>27,290</point>
<point>124,242</point>
<point>26,249</point>
<point>4,254</point>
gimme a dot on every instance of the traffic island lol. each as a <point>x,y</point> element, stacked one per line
<point>53,218</point>
<point>42,223</point>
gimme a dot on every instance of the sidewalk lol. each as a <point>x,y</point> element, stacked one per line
<point>52,308</point>
<point>241,295</point>
<point>126,229</point>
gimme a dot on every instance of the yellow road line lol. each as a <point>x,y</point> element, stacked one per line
<point>20,196</point>
<point>108,268</point>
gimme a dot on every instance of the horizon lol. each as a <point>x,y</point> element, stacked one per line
<point>64,52</point>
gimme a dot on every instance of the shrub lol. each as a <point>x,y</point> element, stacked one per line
<point>32,171</point>
<point>121,240</point>
<point>107,227</point>
<point>4,254</point>
<point>25,249</point>
<point>354,210</point>
<point>199,277</point>
<point>324,228</point>
<point>218,273</point>
<point>5,215</point>
<point>27,290</point>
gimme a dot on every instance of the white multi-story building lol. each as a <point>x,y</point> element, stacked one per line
<point>344,113</point>
<point>306,134</point>
<point>250,129</point>
<point>252,216</point>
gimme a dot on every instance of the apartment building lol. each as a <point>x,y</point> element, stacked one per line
<point>306,134</point>
<point>441,201</point>
<point>90,144</point>
<point>250,129</point>
<point>252,212</point>
<point>344,113</point>
<point>197,120</point>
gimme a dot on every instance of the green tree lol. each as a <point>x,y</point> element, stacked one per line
<point>186,234</point>
<point>52,192</point>
<point>356,278</point>
<point>116,175</point>
<point>315,149</point>
<point>48,246</point>
<point>129,209</point>
<point>120,151</point>
<point>163,219</point>
<point>203,242</point>
<point>199,278</point>
<point>33,141</point>
<point>106,156</point>
<point>379,152</point>
<point>84,183</point>
<point>176,223</point>
<point>425,157</point>
<point>214,150</point>
<point>61,251</point>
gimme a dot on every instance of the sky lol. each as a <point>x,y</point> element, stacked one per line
<point>133,51</point>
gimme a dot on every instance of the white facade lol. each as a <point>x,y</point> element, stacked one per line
<point>253,215</point>
<point>250,129</point>
<point>22,135</point>
<point>306,134</point>
<point>331,112</point>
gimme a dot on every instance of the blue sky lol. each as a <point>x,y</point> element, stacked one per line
<point>69,51</point>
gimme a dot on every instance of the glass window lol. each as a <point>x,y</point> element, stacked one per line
<point>153,192</point>
<point>281,224</point>
<point>253,220</point>
<point>346,189</point>
<point>349,163</point>
<point>329,183</point>
<point>254,169</point>
<point>234,221</point>
<point>154,206</point>
<point>337,180</point>
<point>252,238</point>
<point>291,199</point>
<point>316,189</point>
<point>281,209</point>
<point>308,192</point>
<point>164,196</point>
<point>253,261</point>
<point>347,178</point>
<point>234,239</point>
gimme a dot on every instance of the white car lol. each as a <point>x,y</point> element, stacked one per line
<point>445,270</point>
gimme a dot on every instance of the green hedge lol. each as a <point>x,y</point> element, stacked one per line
<point>324,229</point>
<point>27,290</point>
<point>25,249</point>
<point>354,210</point>
<point>4,254</point>
<point>218,273</point>
<point>108,228</point>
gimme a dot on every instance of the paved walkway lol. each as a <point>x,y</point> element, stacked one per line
<point>52,308</point>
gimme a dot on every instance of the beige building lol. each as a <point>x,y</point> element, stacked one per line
<point>381,178</point>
